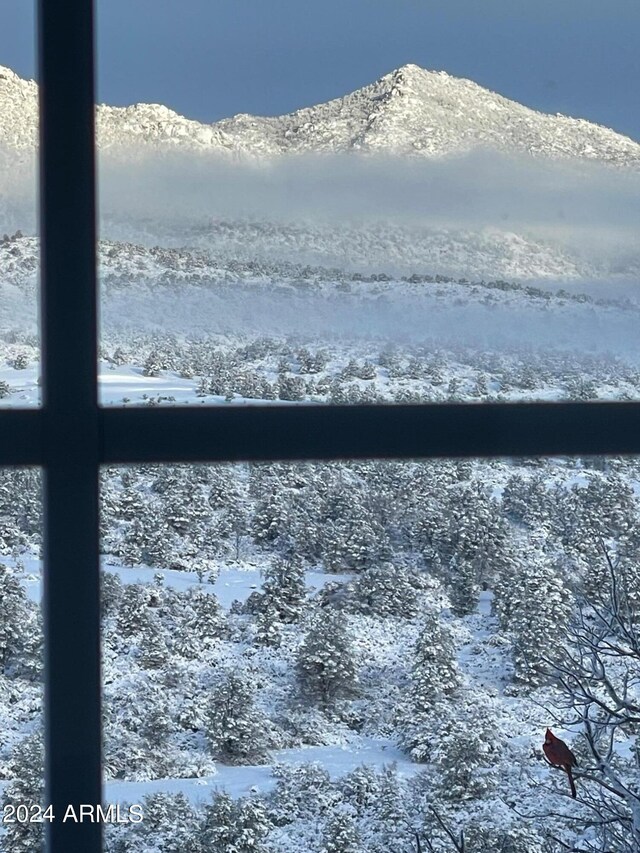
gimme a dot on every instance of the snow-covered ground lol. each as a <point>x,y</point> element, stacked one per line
<point>240,781</point>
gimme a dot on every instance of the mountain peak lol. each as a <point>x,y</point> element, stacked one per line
<point>409,112</point>
<point>408,72</point>
<point>8,74</point>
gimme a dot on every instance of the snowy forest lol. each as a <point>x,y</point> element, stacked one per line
<point>349,657</point>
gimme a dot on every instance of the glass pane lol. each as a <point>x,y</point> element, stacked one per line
<point>19,339</point>
<point>21,662</point>
<point>368,656</point>
<point>416,219</point>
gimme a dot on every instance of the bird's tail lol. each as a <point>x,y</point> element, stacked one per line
<point>571,782</point>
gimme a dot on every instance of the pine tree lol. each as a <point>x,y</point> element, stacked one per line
<point>153,647</point>
<point>234,826</point>
<point>284,588</point>
<point>26,788</point>
<point>354,541</point>
<point>14,618</point>
<point>132,610</point>
<point>466,752</point>
<point>434,678</point>
<point>435,671</point>
<point>463,585</point>
<point>235,728</point>
<point>326,664</point>
<point>533,604</point>
<point>386,590</point>
<point>268,624</point>
<point>341,835</point>
<point>161,812</point>
<point>111,593</point>
<point>154,364</point>
<point>391,825</point>
<point>512,839</point>
<point>202,622</point>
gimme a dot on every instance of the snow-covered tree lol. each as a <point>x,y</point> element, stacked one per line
<point>110,592</point>
<point>170,824</point>
<point>533,604</point>
<point>25,788</point>
<point>325,664</point>
<point>153,650</point>
<point>463,584</point>
<point>467,750</point>
<point>387,590</point>
<point>234,726</point>
<point>284,588</point>
<point>132,610</point>
<point>201,622</point>
<point>234,826</point>
<point>341,834</point>
<point>435,671</point>
<point>14,618</point>
<point>596,670</point>
<point>434,677</point>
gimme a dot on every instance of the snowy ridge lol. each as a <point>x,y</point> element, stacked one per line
<point>408,112</point>
<point>214,259</point>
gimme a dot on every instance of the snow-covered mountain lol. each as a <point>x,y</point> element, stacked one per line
<point>410,111</point>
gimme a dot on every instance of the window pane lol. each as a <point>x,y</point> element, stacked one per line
<point>358,656</point>
<point>334,225</point>
<point>19,340</point>
<point>21,662</point>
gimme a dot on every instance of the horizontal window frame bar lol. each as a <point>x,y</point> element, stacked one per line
<point>21,439</point>
<point>288,433</point>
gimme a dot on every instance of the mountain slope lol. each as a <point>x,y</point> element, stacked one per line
<point>410,111</point>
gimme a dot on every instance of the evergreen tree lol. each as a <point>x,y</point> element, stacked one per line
<point>434,677</point>
<point>204,620</point>
<point>534,605</point>
<point>390,826</point>
<point>466,752</point>
<point>268,624</point>
<point>326,664</point>
<point>25,788</point>
<point>435,671</point>
<point>154,364</point>
<point>153,647</point>
<point>284,588</point>
<point>386,590</point>
<point>341,835</point>
<point>235,728</point>
<point>234,826</point>
<point>463,585</point>
<point>512,839</point>
<point>132,610</point>
<point>111,593</point>
<point>354,541</point>
<point>302,792</point>
<point>14,618</point>
<point>161,812</point>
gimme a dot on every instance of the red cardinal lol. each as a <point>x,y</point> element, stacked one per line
<point>559,754</point>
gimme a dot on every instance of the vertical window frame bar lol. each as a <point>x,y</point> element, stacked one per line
<point>73,740</point>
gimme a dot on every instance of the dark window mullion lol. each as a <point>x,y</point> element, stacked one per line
<point>70,421</point>
<point>20,437</point>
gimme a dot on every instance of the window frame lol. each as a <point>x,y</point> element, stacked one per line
<point>70,437</point>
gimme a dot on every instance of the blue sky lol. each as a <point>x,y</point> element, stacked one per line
<point>213,58</point>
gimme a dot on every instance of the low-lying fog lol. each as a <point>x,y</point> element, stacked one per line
<point>563,224</point>
<point>585,211</point>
